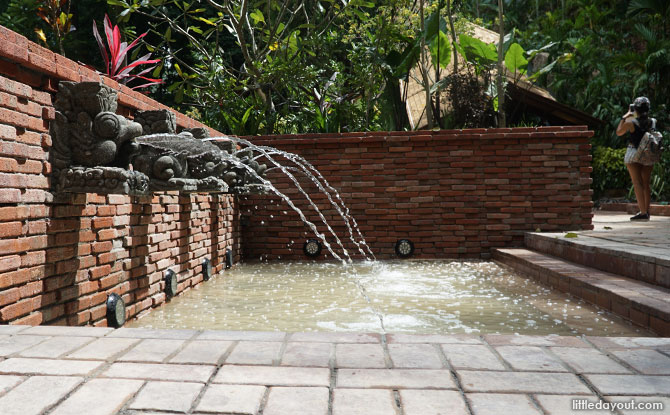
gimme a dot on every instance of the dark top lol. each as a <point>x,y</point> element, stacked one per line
<point>636,136</point>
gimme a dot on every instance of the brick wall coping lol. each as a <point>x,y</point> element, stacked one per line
<point>19,54</point>
<point>568,132</point>
<point>632,208</point>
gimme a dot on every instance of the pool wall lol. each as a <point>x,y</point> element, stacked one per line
<point>60,256</point>
<point>454,193</point>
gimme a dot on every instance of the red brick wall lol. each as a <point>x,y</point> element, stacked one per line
<point>60,256</point>
<point>453,193</point>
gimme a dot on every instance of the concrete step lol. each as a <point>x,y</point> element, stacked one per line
<point>649,264</point>
<point>644,304</point>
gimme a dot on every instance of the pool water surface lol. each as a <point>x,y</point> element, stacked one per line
<point>411,296</point>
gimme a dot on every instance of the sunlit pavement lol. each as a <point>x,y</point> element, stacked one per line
<point>86,370</point>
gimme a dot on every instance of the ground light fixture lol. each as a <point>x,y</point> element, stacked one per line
<point>229,258</point>
<point>404,248</point>
<point>170,283</point>
<point>116,310</point>
<point>206,269</point>
<point>312,248</point>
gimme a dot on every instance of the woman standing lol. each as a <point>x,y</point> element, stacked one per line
<point>636,122</point>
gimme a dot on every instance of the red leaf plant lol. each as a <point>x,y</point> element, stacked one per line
<point>116,56</point>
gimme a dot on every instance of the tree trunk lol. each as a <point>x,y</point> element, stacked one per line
<point>502,122</point>
<point>453,34</point>
<point>424,71</point>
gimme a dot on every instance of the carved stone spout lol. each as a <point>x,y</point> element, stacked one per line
<point>96,150</point>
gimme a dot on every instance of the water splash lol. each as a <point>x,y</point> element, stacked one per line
<point>317,178</point>
<point>315,175</point>
<point>305,167</point>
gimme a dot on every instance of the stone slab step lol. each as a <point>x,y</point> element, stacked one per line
<point>643,263</point>
<point>644,304</point>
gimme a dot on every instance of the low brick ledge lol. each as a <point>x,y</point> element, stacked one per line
<point>631,208</point>
<point>643,304</point>
<point>617,257</point>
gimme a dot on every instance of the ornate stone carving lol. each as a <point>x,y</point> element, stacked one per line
<point>197,132</point>
<point>157,121</point>
<point>104,180</point>
<point>96,150</point>
<point>86,131</point>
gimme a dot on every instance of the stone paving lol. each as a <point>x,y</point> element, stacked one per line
<point>615,230</point>
<point>96,371</point>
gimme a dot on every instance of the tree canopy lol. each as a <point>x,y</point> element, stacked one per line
<point>292,66</point>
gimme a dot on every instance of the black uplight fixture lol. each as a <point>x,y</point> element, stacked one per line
<point>404,248</point>
<point>312,248</point>
<point>116,311</point>
<point>229,258</point>
<point>206,269</point>
<point>170,283</point>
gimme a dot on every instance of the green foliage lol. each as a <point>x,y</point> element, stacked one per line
<point>278,66</point>
<point>660,184</point>
<point>515,61</point>
<point>21,17</point>
<point>484,55</point>
<point>609,171</point>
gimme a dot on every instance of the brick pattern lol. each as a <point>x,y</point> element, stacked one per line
<point>86,246</point>
<point>60,256</point>
<point>643,304</point>
<point>454,193</point>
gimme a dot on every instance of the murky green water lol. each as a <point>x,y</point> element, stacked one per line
<point>400,297</point>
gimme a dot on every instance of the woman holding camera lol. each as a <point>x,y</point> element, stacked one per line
<point>636,122</point>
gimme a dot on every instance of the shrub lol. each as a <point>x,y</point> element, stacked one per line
<point>609,171</point>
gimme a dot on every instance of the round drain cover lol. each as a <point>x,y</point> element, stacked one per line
<point>206,269</point>
<point>170,283</point>
<point>116,311</point>
<point>404,248</point>
<point>312,248</point>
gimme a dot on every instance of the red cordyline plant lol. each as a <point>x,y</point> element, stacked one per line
<point>116,56</point>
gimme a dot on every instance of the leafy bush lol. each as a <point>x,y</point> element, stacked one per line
<point>609,171</point>
<point>660,176</point>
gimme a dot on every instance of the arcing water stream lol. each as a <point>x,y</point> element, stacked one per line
<point>267,153</point>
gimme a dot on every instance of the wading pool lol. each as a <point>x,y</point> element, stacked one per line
<point>411,296</point>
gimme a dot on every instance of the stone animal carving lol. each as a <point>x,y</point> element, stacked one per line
<point>96,150</point>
